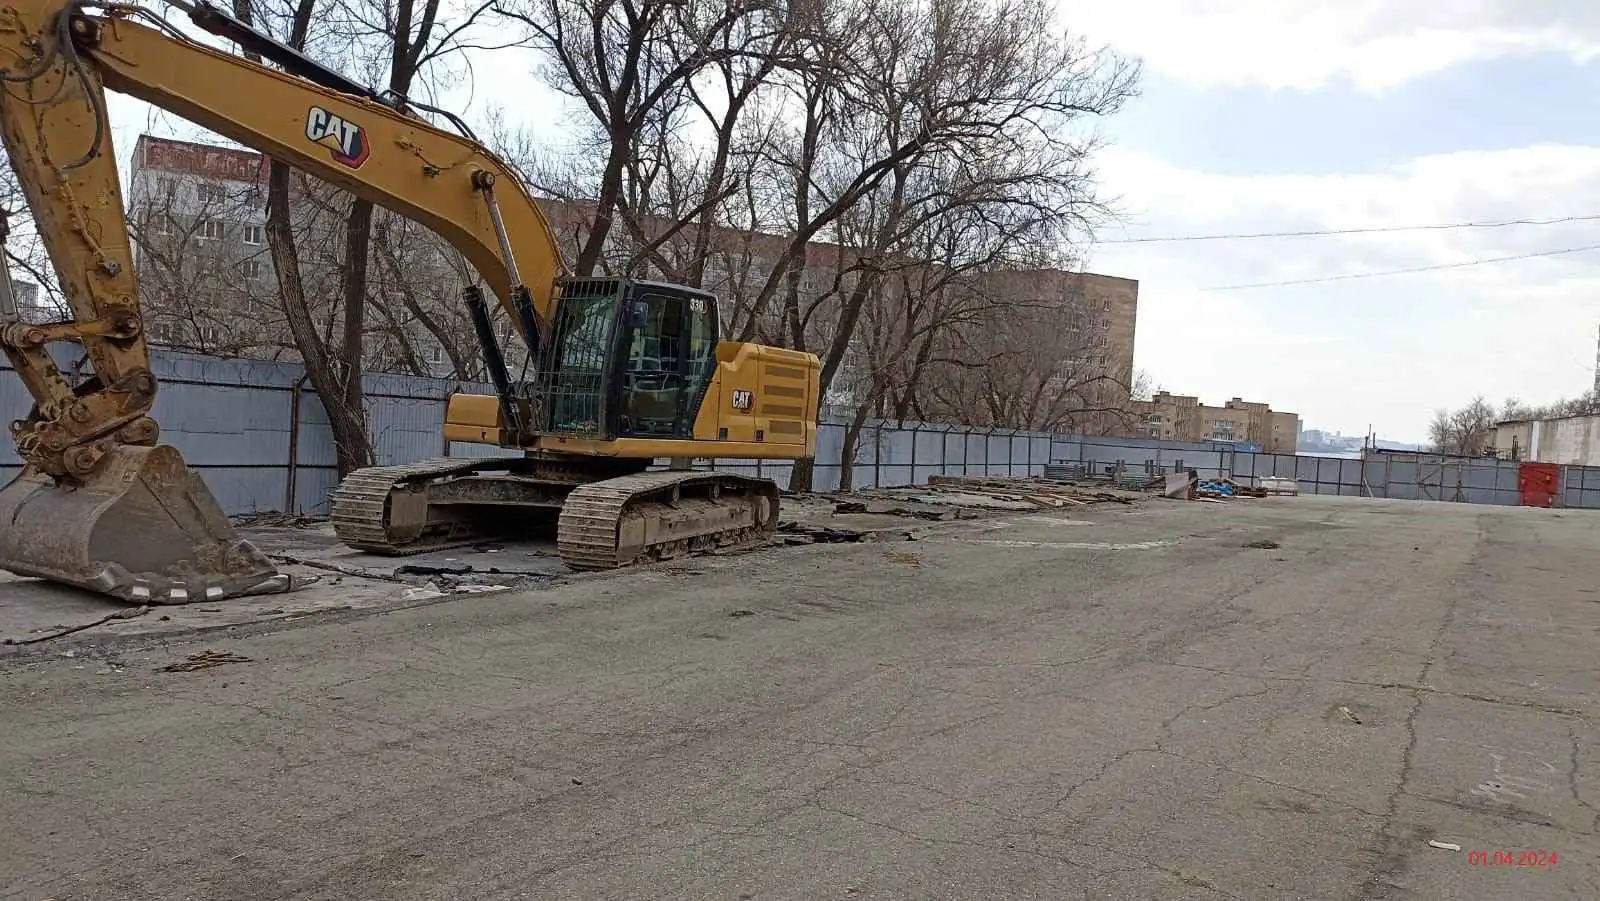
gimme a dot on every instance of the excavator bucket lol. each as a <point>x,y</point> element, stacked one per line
<point>144,528</point>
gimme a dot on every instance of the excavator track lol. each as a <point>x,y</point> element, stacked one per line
<point>362,509</point>
<point>652,516</point>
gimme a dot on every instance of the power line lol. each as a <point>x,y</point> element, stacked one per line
<point>1383,272</point>
<point>1325,233</point>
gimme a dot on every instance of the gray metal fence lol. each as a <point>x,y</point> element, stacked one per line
<point>258,435</point>
<point>256,432</point>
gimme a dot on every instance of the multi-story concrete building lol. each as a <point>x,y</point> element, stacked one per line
<point>1177,417</point>
<point>197,216</point>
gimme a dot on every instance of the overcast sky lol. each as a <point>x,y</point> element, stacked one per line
<point>1311,115</point>
<point>1300,116</point>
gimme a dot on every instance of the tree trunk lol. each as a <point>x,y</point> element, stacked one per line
<point>353,444</point>
<point>847,454</point>
<point>357,237</point>
<point>803,475</point>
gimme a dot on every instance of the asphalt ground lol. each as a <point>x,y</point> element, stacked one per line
<point>1282,698</point>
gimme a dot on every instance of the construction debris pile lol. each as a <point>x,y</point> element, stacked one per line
<point>1048,493</point>
<point>1225,488</point>
<point>881,514</point>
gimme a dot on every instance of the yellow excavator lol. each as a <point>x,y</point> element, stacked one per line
<point>623,373</point>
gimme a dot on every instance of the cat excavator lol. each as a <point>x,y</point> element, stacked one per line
<point>621,375</point>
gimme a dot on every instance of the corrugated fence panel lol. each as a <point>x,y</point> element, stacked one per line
<point>1065,450</point>
<point>954,452</point>
<point>1039,450</point>
<point>997,455</point>
<point>977,462</point>
<point>232,420</point>
<point>895,456</point>
<point>928,450</point>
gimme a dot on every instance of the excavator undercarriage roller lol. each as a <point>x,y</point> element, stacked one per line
<point>599,522</point>
<point>657,516</point>
<point>143,528</point>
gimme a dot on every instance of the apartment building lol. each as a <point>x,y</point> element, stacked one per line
<point>197,215</point>
<point>1177,417</point>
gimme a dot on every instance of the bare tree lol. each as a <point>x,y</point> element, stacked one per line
<point>202,266</point>
<point>1464,432</point>
<point>630,64</point>
<point>1028,367</point>
<point>408,46</point>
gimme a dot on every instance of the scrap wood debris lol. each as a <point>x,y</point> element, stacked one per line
<point>204,660</point>
<point>799,533</point>
<point>275,520</point>
<point>1034,491</point>
<point>848,507</point>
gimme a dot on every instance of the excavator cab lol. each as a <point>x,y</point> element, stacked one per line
<point>628,359</point>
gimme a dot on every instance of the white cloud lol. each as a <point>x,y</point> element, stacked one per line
<point>1301,44</point>
<point>1385,350</point>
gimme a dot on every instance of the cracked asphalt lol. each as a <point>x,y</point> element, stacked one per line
<point>1122,703</point>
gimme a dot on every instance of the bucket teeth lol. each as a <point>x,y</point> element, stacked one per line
<point>143,528</point>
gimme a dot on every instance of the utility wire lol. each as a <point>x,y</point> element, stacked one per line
<point>1384,229</point>
<point>1383,272</point>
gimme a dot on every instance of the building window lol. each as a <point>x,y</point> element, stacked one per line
<point>438,354</point>
<point>167,186</point>
<point>252,234</point>
<point>210,193</point>
<point>211,229</point>
<point>251,268</point>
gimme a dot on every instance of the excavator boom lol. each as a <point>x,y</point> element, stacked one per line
<point>100,502</point>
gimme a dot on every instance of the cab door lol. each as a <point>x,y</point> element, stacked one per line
<point>668,355</point>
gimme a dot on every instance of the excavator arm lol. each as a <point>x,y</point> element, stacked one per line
<point>100,504</point>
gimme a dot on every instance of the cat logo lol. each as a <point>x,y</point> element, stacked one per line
<point>346,141</point>
<point>742,399</point>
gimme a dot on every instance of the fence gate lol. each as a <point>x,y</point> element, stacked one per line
<point>1538,484</point>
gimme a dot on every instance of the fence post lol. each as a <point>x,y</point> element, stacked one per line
<point>914,455</point>
<point>877,454</point>
<point>292,477</point>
